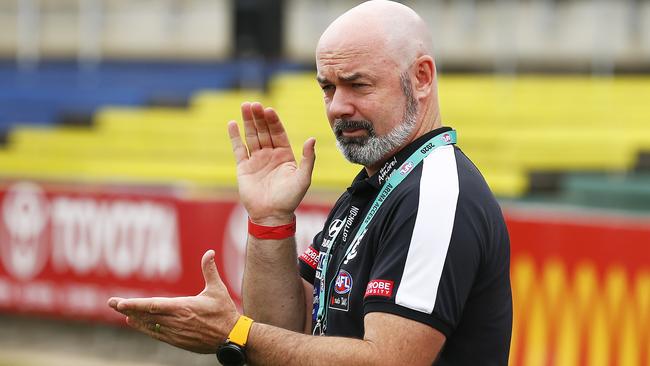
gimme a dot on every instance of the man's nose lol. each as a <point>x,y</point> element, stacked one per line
<point>341,106</point>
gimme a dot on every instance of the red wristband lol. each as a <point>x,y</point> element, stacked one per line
<point>272,232</point>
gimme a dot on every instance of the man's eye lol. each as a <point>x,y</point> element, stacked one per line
<point>327,88</point>
<point>359,85</point>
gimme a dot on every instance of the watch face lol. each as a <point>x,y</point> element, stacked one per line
<point>231,354</point>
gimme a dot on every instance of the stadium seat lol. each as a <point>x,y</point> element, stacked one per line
<point>510,127</point>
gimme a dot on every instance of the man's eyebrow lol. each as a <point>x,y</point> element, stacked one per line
<point>346,78</point>
<point>351,77</point>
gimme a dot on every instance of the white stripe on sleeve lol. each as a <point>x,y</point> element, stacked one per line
<point>432,232</point>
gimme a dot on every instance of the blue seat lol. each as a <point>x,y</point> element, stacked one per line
<point>41,95</point>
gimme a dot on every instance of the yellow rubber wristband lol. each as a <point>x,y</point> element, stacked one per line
<point>239,333</point>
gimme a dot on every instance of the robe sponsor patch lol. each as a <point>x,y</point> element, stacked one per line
<point>379,288</point>
<point>310,257</point>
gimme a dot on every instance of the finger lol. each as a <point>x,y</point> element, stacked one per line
<point>279,136</point>
<point>139,324</point>
<point>160,333</point>
<point>308,158</point>
<point>178,337</point>
<point>263,134</point>
<point>238,148</point>
<point>148,318</point>
<point>113,301</point>
<point>151,305</point>
<point>210,273</point>
<point>250,131</point>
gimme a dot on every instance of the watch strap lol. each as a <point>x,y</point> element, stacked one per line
<point>239,333</point>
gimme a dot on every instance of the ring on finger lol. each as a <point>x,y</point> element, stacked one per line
<point>156,328</point>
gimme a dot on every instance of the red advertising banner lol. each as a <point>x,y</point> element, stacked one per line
<point>64,252</point>
<point>580,280</point>
<point>581,288</point>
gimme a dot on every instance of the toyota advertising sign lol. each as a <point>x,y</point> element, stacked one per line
<point>64,252</point>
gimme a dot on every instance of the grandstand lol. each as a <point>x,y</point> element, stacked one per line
<point>126,130</point>
<point>515,129</point>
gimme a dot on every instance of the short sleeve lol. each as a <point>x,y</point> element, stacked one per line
<point>425,263</point>
<point>308,260</point>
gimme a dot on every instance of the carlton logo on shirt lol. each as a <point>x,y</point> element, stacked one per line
<point>379,288</point>
<point>354,247</point>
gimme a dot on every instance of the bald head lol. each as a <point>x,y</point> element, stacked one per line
<point>390,28</point>
<point>376,69</point>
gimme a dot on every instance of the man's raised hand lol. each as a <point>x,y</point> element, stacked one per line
<point>271,183</point>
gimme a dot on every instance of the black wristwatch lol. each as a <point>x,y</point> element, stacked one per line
<point>232,353</point>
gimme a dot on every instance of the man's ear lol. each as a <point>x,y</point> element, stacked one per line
<point>425,74</point>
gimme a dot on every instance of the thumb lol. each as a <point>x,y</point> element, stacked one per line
<point>308,158</point>
<point>210,274</point>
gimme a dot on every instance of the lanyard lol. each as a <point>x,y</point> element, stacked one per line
<point>395,178</point>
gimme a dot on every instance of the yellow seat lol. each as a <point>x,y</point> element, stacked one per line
<point>509,126</point>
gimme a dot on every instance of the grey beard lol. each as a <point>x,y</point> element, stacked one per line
<point>371,149</point>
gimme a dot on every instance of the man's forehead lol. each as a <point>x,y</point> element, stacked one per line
<point>351,64</point>
<point>342,55</point>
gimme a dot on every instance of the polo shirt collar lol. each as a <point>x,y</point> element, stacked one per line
<point>362,181</point>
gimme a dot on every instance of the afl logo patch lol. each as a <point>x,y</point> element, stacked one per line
<point>446,138</point>
<point>343,283</point>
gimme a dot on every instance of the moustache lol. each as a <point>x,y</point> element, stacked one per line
<point>341,125</point>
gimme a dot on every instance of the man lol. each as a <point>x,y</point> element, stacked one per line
<point>412,266</point>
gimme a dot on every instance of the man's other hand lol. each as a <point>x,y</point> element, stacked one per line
<point>196,323</point>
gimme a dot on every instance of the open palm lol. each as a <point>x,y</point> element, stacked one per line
<point>271,183</point>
